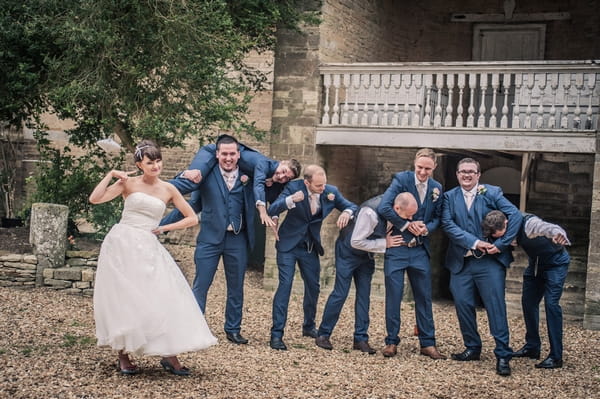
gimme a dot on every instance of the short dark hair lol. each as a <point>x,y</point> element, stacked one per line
<point>468,160</point>
<point>492,222</point>
<point>227,139</point>
<point>146,148</point>
<point>295,167</point>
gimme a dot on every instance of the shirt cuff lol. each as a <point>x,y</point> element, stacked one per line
<point>260,203</point>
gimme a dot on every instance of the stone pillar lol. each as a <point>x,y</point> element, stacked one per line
<point>591,317</point>
<point>48,236</point>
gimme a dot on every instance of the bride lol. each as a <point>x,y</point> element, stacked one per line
<point>143,304</point>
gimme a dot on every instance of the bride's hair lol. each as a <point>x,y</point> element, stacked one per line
<point>147,148</point>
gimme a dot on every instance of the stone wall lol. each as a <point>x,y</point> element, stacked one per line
<point>18,270</point>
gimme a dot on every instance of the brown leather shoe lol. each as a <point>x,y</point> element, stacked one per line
<point>432,352</point>
<point>364,346</point>
<point>323,342</point>
<point>390,350</point>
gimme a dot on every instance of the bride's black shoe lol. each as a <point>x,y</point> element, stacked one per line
<point>131,371</point>
<point>184,371</point>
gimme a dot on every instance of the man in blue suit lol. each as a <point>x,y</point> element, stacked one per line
<point>307,203</point>
<point>269,177</point>
<point>227,231</point>
<point>544,243</point>
<point>413,256</point>
<point>365,235</point>
<point>476,265</point>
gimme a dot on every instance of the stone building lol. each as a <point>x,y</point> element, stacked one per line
<point>513,84</point>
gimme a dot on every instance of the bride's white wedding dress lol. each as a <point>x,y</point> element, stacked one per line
<point>142,302</point>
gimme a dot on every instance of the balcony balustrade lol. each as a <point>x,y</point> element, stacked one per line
<point>527,96</point>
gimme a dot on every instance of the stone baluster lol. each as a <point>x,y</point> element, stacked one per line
<point>577,111</point>
<point>530,85</point>
<point>365,85</point>
<point>459,109</point>
<point>427,116</point>
<point>376,84</point>
<point>483,83</point>
<point>346,107</point>
<point>416,116</point>
<point>554,88</point>
<point>335,118</point>
<point>439,85</point>
<point>494,110</point>
<point>564,120</point>
<point>326,84</point>
<point>356,91</point>
<point>449,109</point>
<point>397,83</point>
<point>407,82</point>
<point>591,84</point>
<point>506,87</point>
<point>539,121</point>
<point>471,109</point>
<point>48,236</point>
<point>386,82</point>
<point>516,120</point>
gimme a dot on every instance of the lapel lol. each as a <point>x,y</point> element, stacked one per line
<point>461,207</point>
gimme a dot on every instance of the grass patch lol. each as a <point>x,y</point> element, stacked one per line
<point>70,340</point>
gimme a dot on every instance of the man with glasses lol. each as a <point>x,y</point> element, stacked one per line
<point>476,265</point>
<point>415,225</point>
<point>268,175</point>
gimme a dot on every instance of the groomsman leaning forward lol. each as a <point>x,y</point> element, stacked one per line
<point>413,257</point>
<point>476,265</point>
<point>307,202</point>
<point>364,236</point>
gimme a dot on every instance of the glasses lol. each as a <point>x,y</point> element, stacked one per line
<point>468,172</point>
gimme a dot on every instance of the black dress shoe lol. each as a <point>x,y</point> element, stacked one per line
<point>549,363</point>
<point>503,367</point>
<point>313,333</point>
<point>526,352</point>
<point>236,338</point>
<point>363,346</point>
<point>323,342</point>
<point>467,355</point>
<point>277,344</point>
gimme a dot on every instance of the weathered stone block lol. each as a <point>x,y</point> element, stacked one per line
<point>48,232</point>
<point>30,259</point>
<point>76,262</point>
<point>11,258</point>
<point>57,284</point>
<point>81,284</point>
<point>48,273</point>
<point>68,273</point>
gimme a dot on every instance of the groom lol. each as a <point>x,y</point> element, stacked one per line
<point>227,231</point>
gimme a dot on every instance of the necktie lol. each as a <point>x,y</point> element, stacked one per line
<point>314,203</point>
<point>469,199</point>
<point>229,180</point>
<point>421,191</point>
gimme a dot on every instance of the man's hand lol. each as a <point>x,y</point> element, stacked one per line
<point>343,220</point>
<point>487,247</point>
<point>264,217</point>
<point>417,227</point>
<point>560,239</point>
<point>298,196</point>
<point>192,174</point>
<point>275,228</point>
<point>393,241</point>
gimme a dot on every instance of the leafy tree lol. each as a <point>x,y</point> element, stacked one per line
<point>161,69</point>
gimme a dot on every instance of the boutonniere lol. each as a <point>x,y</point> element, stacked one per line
<point>481,189</point>
<point>268,182</point>
<point>435,194</point>
<point>330,196</point>
<point>244,179</point>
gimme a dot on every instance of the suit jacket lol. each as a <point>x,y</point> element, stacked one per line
<point>430,209</point>
<point>463,226</point>
<point>251,163</point>
<point>299,224</point>
<point>222,207</point>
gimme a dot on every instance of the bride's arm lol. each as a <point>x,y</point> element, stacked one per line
<point>104,193</point>
<point>190,218</point>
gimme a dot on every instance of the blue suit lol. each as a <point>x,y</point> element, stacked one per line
<point>473,272</point>
<point>544,278</point>
<point>300,241</point>
<point>353,264</point>
<point>223,208</point>
<point>412,259</point>
<point>251,162</point>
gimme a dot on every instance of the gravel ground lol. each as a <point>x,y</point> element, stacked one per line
<point>47,350</point>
